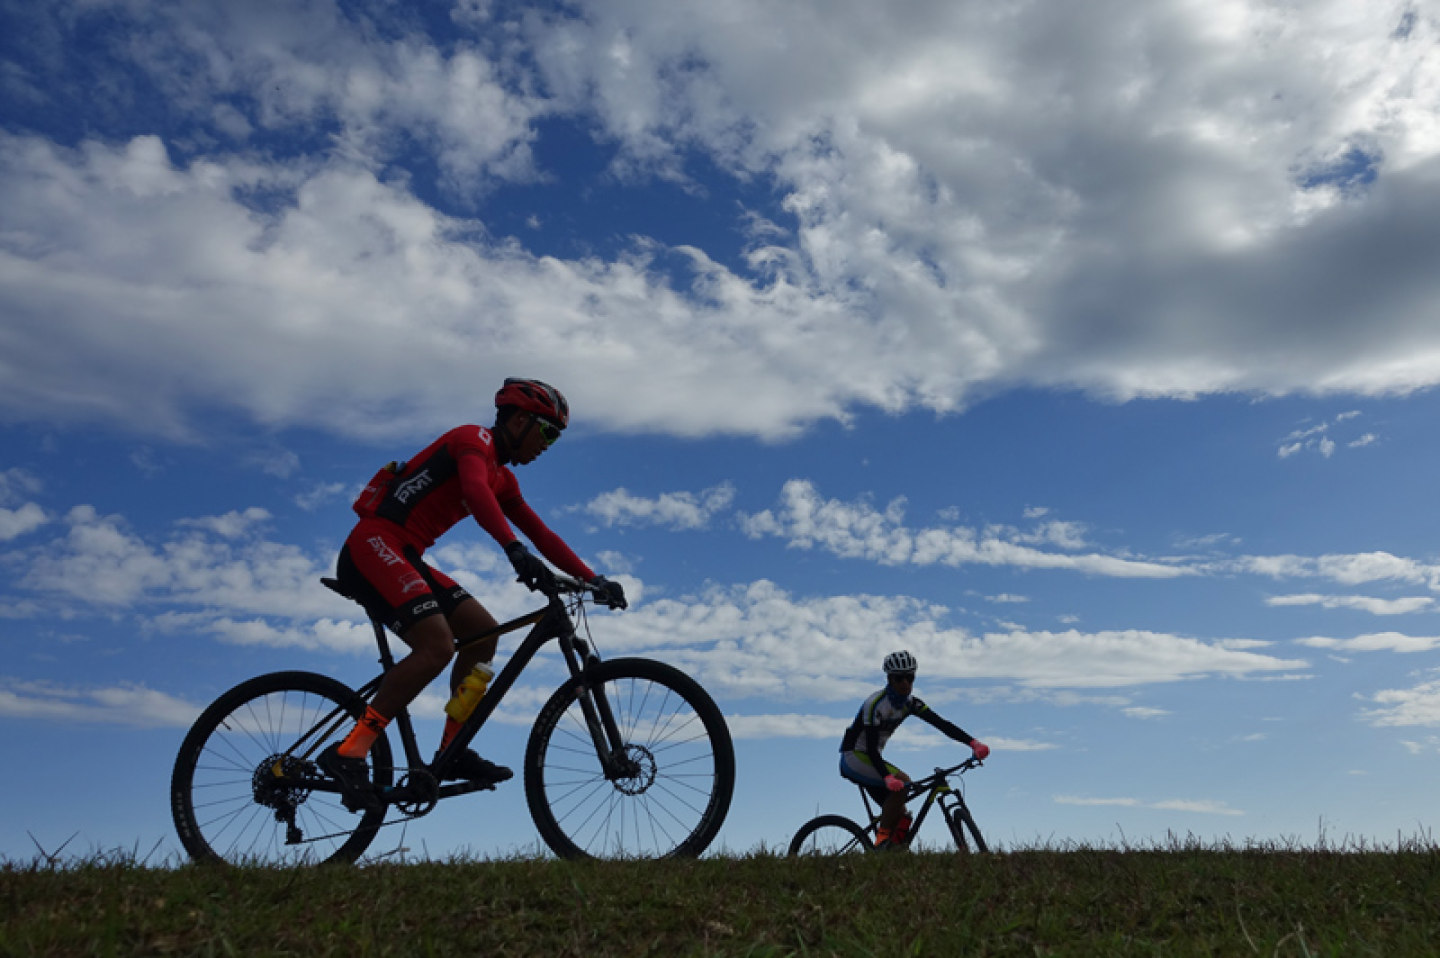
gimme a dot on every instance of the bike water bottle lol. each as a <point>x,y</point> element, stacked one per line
<point>472,689</point>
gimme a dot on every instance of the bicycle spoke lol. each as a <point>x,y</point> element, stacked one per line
<point>662,796</point>
<point>227,802</point>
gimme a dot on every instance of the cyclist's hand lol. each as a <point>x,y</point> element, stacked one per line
<point>894,783</point>
<point>609,594</point>
<point>529,570</point>
<point>982,751</point>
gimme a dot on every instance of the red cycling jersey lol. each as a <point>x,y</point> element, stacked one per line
<point>455,476</point>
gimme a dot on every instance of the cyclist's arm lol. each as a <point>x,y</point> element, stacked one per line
<point>480,498</point>
<point>550,545</point>
<point>488,511</point>
<point>926,714</point>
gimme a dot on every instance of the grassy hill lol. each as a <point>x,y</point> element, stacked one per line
<point>1178,901</point>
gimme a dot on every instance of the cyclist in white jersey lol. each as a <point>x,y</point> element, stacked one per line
<point>880,715</point>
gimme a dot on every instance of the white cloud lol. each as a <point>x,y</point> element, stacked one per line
<point>1200,806</point>
<point>968,200</point>
<point>758,640</point>
<point>1346,569</point>
<point>100,562</point>
<point>789,725</point>
<point>859,530</point>
<point>232,525</point>
<point>1318,438</point>
<point>16,484</point>
<point>128,705</point>
<point>1419,705</point>
<point>322,494</point>
<point>1363,603</point>
<point>16,522</point>
<point>1375,642</point>
<point>675,510</point>
<point>1141,712</point>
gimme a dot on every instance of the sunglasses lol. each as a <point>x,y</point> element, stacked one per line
<point>903,676</point>
<point>548,430</point>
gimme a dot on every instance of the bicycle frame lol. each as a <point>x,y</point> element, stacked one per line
<point>937,789</point>
<point>553,622</point>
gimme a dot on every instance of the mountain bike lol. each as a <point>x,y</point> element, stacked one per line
<point>838,835</point>
<point>629,758</point>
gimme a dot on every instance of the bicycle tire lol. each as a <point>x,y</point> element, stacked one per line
<point>830,835</point>
<point>961,817</point>
<point>219,800</point>
<point>673,807</point>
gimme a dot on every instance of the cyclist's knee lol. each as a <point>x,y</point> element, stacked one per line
<point>431,642</point>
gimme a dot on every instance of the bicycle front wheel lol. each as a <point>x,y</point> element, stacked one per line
<point>961,822</point>
<point>233,793</point>
<point>830,835</point>
<point>671,798</point>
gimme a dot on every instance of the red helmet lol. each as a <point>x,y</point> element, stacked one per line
<point>534,396</point>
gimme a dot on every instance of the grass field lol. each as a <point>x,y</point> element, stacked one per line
<point>1181,900</point>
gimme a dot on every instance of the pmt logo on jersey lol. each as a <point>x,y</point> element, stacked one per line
<point>415,484</point>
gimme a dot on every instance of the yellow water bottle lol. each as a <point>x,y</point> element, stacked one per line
<point>472,689</point>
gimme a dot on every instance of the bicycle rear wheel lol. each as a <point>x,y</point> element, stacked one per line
<point>830,835</point>
<point>229,804</point>
<point>673,799</point>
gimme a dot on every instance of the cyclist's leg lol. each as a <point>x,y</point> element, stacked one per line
<point>894,807</point>
<point>466,616</point>
<point>431,646</point>
<point>469,617</point>
<point>857,767</point>
<point>373,567</point>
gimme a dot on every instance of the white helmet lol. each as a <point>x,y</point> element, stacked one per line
<point>901,661</point>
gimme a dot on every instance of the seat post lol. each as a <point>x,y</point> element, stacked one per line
<point>387,660</point>
<point>865,797</point>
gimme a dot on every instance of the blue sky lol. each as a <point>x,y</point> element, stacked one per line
<point>1095,367</point>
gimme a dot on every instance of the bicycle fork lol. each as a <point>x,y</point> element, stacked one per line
<point>610,744</point>
<point>952,807</point>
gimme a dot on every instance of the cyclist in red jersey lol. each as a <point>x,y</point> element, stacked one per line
<point>403,510</point>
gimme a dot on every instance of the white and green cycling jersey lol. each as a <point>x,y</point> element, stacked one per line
<point>879,716</point>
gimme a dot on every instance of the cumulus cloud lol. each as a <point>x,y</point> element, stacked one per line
<point>859,530</point>
<point>218,576</point>
<point>963,200</point>
<point>787,725</point>
<point>232,524</point>
<point>674,510</point>
<point>1346,569</point>
<point>15,486</point>
<point>17,522</point>
<point>1374,642</point>
<point>1419,705</point>
<point>1364,603</point>
<point>125,705</point>
<point>101,562</point>
<point>758,639</point>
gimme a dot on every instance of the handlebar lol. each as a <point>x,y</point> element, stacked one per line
<point>568,585</point>
<point>926,783</point>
